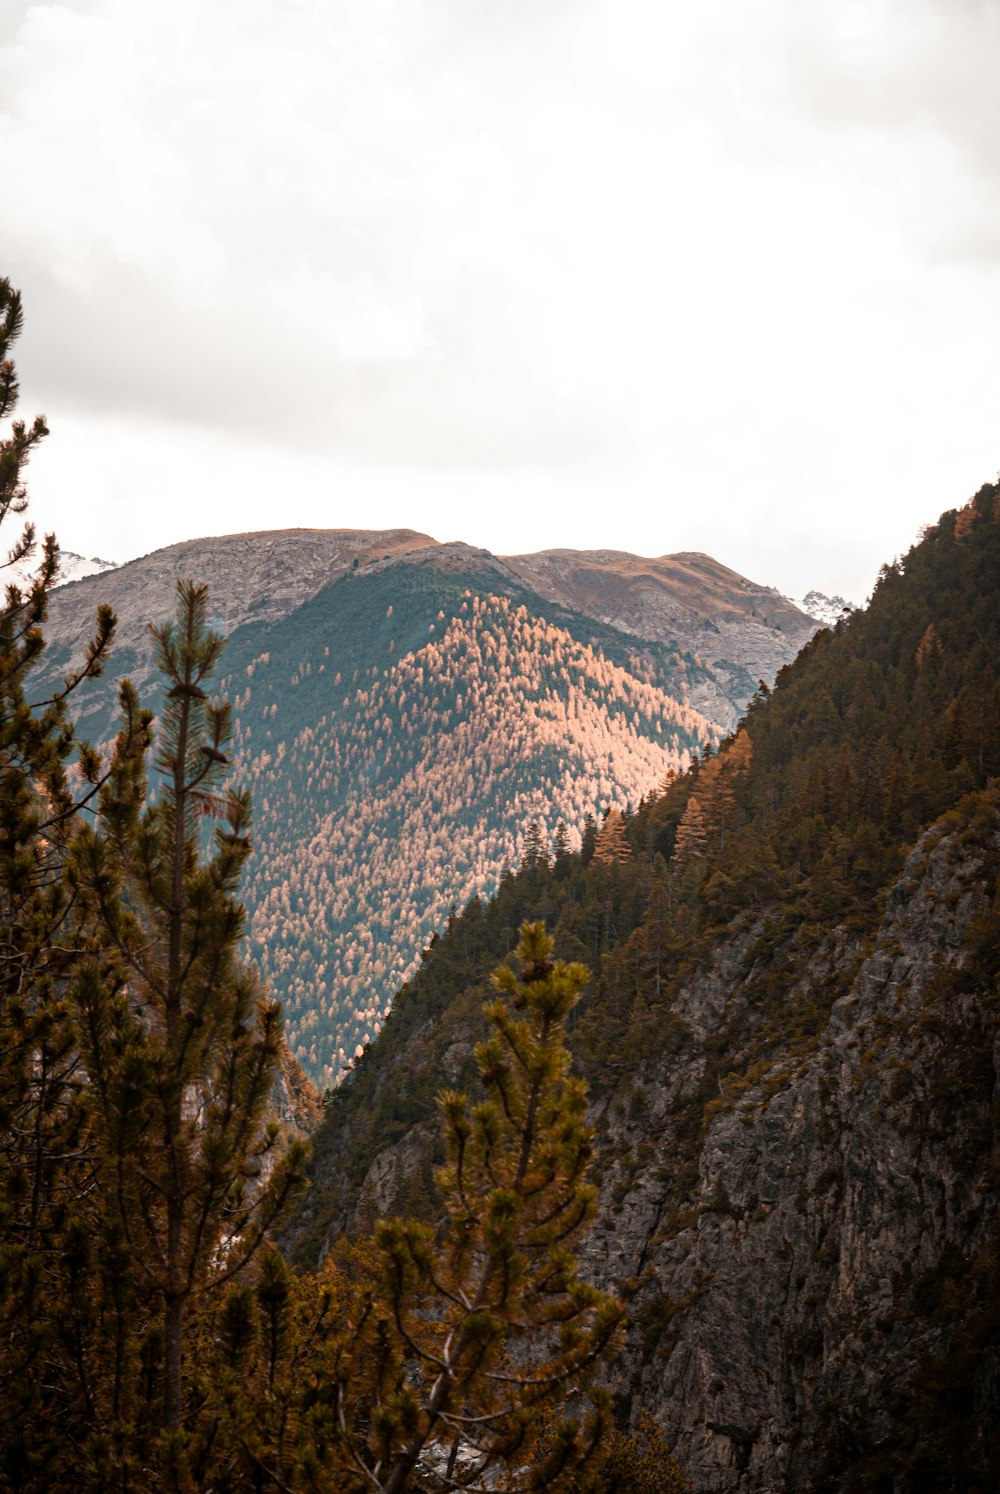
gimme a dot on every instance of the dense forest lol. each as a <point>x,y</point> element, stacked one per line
<point>401,774</point>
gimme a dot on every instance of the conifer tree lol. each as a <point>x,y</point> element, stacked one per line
<point>561,851</point>
<point>535,849</point>
<point>691,838</point>
<point>440,1374</point>
<point>611,846</point>
<point>179,1045</point>
<point>44,1157</point>
<point>658,923</point>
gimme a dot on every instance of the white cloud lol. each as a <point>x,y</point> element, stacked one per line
<point>646,274</point>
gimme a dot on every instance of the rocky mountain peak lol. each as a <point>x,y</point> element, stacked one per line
<point>72,567</point>
<point>254,577</point>
<point>826,610</point>
<point>737,630</point>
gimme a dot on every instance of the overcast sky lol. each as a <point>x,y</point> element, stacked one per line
<point>633,274</point>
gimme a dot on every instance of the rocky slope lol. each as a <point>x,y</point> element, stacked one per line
<point>742,631</point>
<point>252,577</point>
<point>833,1262</point>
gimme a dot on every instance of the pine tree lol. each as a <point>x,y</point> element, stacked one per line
<point>446,1363</point>
<point>611,846</point>
<point>44,1156</point>
<point>561,851</point>
<point>535,850</point>
<point>179,1045</point>
<point>657,926</point>
<point>692,834</point>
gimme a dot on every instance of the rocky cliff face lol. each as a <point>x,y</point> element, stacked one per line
<point>828,1268</point>
<point>800,1204</point>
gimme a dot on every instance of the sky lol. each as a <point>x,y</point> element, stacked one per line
<point>624,274</point>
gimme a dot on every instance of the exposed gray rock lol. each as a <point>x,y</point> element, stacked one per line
<point>251,577</point>
<point>781,1313</point>
<point>742,631</point>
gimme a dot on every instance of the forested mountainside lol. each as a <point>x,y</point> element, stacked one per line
<point>792,1039</point>
<point>408,790</point>
<point>402,727</point>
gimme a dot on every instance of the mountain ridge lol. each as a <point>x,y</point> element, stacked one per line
<point>690,600</point>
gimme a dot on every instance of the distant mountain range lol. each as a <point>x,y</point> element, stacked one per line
<point>405,710</point>
<point>72,567</point>
<point>826,610</point>
<point>545,567</point>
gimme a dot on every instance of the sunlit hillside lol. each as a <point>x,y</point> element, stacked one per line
<point>414,788</point>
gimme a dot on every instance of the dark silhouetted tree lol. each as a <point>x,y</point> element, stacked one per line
<point>180,1046</point>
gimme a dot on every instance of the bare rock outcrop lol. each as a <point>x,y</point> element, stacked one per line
<point>828,1267</point>
<point>251,577</point>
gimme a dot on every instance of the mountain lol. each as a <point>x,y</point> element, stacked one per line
<point>826,610</point>
<point>72,567</point>
<point>405,710</point>
<point>792,1040</point>
<point>735,631</point>
<point>742,632</point>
